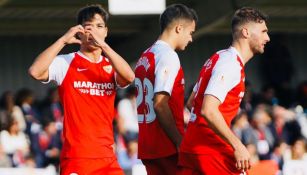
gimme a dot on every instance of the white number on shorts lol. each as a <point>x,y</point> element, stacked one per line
<point>145,88</point>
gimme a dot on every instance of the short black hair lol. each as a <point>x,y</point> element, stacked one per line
<point>245,15</point>
<point>88,12</point>
<point>175,12</point>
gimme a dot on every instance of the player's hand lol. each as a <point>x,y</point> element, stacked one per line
<point>97,36</point>
<point>242,158</point>
<point>70,37</point>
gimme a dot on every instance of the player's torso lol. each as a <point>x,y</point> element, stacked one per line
<point>199,136</point>
<point>153,141</point>
<point>87,94</point>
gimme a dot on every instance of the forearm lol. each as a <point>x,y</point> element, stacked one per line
<point>168,123</point>
<point>190,101</point>
<point>121,67</point>
<point>218,124</point>
<point>39,69</point>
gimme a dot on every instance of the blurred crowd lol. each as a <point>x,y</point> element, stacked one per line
<point>272,125</point>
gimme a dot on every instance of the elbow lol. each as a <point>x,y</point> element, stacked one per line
<point>157,108</point>
<point>205,112</point>
<point>33,73</point>
<point>130,78</point>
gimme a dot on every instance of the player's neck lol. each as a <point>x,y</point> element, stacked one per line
<point>244,50</point>
<point>167,37</point>
<point>94,56</point>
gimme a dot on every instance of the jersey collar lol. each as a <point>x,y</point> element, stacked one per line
<point>163,43</point>
<point>87,58</point>
<point>236,51</point>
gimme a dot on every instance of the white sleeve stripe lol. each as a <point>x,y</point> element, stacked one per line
<point>59,67</point>
<point>167,68</point>
<point>225,75</point>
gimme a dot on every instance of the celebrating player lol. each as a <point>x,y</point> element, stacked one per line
<point>87,82</point>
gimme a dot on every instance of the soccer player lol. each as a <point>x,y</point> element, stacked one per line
<point>160,92</point>
<point>87,82</point>
<point>209,146</point>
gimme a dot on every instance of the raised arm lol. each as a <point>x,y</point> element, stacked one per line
<point>125,74</point>
<point>210,111</point>
<point>39,69</point>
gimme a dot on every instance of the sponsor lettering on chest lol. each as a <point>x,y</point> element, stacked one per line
<point>94,89</point>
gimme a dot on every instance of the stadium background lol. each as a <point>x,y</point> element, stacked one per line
<point>29,26</point>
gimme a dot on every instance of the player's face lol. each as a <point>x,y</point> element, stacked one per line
<point>259,37</point>
<point>98,26</point>
<point>185,35</point>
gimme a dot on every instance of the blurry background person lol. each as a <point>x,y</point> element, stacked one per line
<point>9,108</point>
<point>15,143</point>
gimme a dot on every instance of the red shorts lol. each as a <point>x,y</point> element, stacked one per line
<point>165,165</point>
<point>194,164</point>
<point>87,166</point>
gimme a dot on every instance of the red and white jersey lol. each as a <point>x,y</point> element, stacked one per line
<point>223,77</point>
<point>87,92</point>
<point>158,70</point>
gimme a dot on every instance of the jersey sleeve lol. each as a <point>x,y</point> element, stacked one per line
<point>166,71</point>
<point>58,68</point>
<point>226,75</point>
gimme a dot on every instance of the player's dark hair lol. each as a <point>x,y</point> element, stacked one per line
<point>175,12</point>
<point>87,13</point>
<point>245,15</point>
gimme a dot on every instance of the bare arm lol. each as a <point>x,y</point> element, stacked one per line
<point>39,69</point>
<point>216,121</point>
<point>190,100</point>
<point>165,117</point>
<point>125,74</point>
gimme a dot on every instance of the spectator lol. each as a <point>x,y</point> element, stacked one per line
<point>8,107</point>
<point>47,145</point>
<point>239,123</point>
<point>128,119</point>
<point>5,161</point>
<point>14,142</point>
<point>51,108</point>
<point>259,133</point>
<point>278,152</point>
<point>25,99</point>
<point>127,155</point>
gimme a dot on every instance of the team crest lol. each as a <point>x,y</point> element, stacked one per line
<point>108,68</point>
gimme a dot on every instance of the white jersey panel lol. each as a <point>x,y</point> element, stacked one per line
<point>226,74</point>
<point>59,68</point>
<point>167,66</point>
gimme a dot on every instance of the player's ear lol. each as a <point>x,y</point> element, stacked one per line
<point>178,28</point>
<point>245,32</point>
